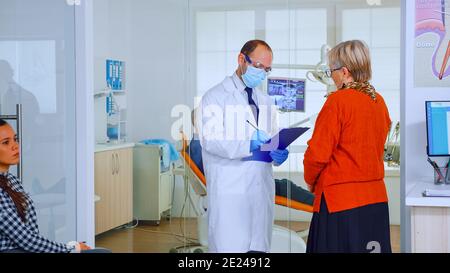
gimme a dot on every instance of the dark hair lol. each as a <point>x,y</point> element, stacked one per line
<point>251,45</point>
<point>19,198</point>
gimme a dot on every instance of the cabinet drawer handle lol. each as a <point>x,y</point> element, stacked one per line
<point>113,164</point>
<point>118,164</point>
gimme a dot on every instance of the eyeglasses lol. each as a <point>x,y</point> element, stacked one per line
<point>258,64</point>
<point>330,71</point>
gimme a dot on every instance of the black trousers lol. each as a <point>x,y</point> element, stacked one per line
<point>359,230</point>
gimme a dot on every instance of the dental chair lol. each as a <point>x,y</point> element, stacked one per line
<point>283,240</point>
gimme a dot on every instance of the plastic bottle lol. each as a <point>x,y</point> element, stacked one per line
<point>112,119</point>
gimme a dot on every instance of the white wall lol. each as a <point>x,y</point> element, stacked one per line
<point>112,40</point>
<point>413,150</point>
<point>156,76</point>
<point>156,79</point>
<point>112,37</point>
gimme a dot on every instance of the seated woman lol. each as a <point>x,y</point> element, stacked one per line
<point>19,231</point>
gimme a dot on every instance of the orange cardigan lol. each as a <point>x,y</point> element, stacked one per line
<point>344,159</point>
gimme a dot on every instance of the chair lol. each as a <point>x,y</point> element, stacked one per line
<point>283,239</point>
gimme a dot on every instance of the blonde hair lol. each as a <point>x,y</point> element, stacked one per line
<point>355,56</point>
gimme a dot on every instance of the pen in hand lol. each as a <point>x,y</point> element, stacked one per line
<point>256,128</point>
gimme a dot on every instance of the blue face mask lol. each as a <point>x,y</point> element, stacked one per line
<point>254,76</point>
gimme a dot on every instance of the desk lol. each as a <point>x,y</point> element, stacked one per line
<point>430,218</point>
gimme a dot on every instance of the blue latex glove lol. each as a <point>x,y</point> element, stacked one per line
<point>259,138</point>
<point>279,156</point>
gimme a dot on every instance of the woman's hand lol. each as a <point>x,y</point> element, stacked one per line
<point>78,246</point>
<point>83,246</point>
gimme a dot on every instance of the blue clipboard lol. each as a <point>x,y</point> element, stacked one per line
<point>279,142</point>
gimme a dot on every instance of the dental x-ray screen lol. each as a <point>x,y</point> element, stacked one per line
<point>438,128</point>
<point>288,93</point>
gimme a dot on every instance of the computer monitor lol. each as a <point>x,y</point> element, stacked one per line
<point>438,128</point>
<point>288,93</point>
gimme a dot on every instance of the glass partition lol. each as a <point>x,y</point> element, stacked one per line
<point>37,70</point>
<point>299,33</point>
<point>175,51</point>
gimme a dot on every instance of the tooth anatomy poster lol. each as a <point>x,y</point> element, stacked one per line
<point>432,43</point>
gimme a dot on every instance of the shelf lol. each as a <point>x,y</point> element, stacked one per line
<point>106,93</point>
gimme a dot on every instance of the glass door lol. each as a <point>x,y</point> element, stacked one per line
<point>37,70</point>
<point>217,31</point>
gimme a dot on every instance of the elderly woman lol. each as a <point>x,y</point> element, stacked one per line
<point>344,161</point>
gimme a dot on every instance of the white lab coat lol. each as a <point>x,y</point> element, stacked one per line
<point>240,193</point>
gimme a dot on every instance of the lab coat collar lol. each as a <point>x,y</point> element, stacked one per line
<point>240,86</point>
<point>233,83</point>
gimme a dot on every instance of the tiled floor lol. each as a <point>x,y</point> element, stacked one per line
<point>168,236</point>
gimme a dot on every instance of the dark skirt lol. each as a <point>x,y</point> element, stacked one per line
<point>359,230</point>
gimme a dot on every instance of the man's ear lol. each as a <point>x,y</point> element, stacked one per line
<point>241,59</point>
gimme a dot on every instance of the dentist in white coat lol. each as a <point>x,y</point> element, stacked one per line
<point>236,119</point>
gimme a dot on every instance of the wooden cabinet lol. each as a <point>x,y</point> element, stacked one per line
<point>114,186</point>
<point>430,230</point>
